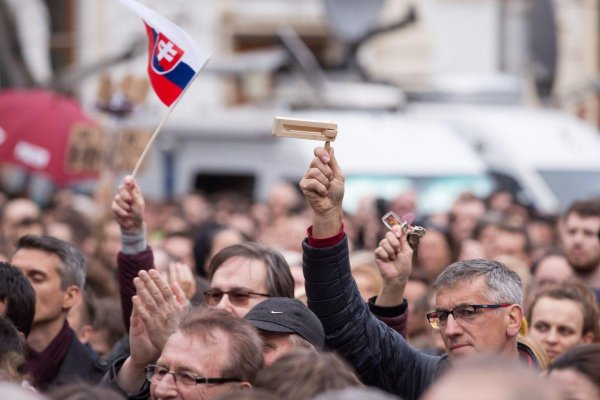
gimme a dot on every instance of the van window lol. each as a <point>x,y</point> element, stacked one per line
<point>572,185</point>
<point>435,193</point>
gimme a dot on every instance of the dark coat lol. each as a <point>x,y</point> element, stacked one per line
<point>380,355</point>
<point>80,364</point>
<point>110,381</point>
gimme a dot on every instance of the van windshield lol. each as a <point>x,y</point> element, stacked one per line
<point>572,185</point>
<point>434,194</point>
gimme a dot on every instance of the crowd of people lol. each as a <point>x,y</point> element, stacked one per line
<point>220,297</point>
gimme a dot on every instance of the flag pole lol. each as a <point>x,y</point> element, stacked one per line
<point>153,137</point>
<point>160,125</point>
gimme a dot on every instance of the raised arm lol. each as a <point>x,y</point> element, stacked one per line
<point>157,310</point>
<point>394,260</point>
<point>380,356</point>
<point>128,209</point>
<point>323,187</point>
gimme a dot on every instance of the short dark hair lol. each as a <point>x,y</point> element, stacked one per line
<point>72,271</point>
<point>585,208</point>
<point>279,280</point>
<point>584,359</point>
<point>19,295</point>
<point>302,374</point>
<point>246,352</point>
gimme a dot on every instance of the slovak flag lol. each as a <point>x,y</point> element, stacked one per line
<point>174,58</point>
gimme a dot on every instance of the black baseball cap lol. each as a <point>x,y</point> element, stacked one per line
<point>285,315</point>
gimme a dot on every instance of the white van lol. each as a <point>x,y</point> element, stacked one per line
<point>382,154</point>
<point>547,156</point>
<point>385,154</point>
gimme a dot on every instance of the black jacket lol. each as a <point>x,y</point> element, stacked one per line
<point>380,355</point>
<point>80,364</point>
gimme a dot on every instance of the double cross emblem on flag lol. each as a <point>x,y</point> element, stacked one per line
<point>166,55</point>
<point>174,58</point>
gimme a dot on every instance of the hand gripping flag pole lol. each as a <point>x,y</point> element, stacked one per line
<point>174,61</point>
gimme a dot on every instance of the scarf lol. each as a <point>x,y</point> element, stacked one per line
<point>44,366</point>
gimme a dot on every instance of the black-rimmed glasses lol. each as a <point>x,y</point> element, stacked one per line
<point>158,372</point>
<point>438,319</point>
<point>237,296</point>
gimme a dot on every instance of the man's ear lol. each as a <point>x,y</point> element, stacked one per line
<point>71,297</point>
<point>515,319</point>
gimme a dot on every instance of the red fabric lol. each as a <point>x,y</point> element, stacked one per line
<point>166,90</point>
<point>48,133</point>
<point>325,242</point>
<point>128,267</point>
<point>44,366</point>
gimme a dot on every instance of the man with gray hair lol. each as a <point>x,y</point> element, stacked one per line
<point>478,303</point>
<point>56,270</point>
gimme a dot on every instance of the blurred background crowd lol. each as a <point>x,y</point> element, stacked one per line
<point>477,119</point>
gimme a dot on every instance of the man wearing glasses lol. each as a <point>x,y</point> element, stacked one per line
<point>245,274</point>
<point>211,352</point>
<point>240,276</point>
<point>478,306</point>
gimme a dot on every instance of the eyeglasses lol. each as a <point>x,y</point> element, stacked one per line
<point>438,319</point>
<point>237,296</point>
<point>157,373</point>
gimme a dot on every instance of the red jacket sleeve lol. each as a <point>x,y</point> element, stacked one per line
<point>128,267</point>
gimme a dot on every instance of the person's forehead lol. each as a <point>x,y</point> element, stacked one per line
<point>560,311</point>
<point>20,209</point>
<point>470,207</point>
<point>553,266</point>
<point>468,291</point>
<point>553,262</point>
<point>178,242</point>
<point>575,220</point>
<point>433,236</point>
<point>240,272</point>
<point>186,350</point>
<point>506,236</point>
<point>27,259</point>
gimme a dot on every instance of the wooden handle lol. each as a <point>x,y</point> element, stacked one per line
<point>304,129</point>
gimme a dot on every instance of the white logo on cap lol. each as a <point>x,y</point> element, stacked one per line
<point>276,312</point>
